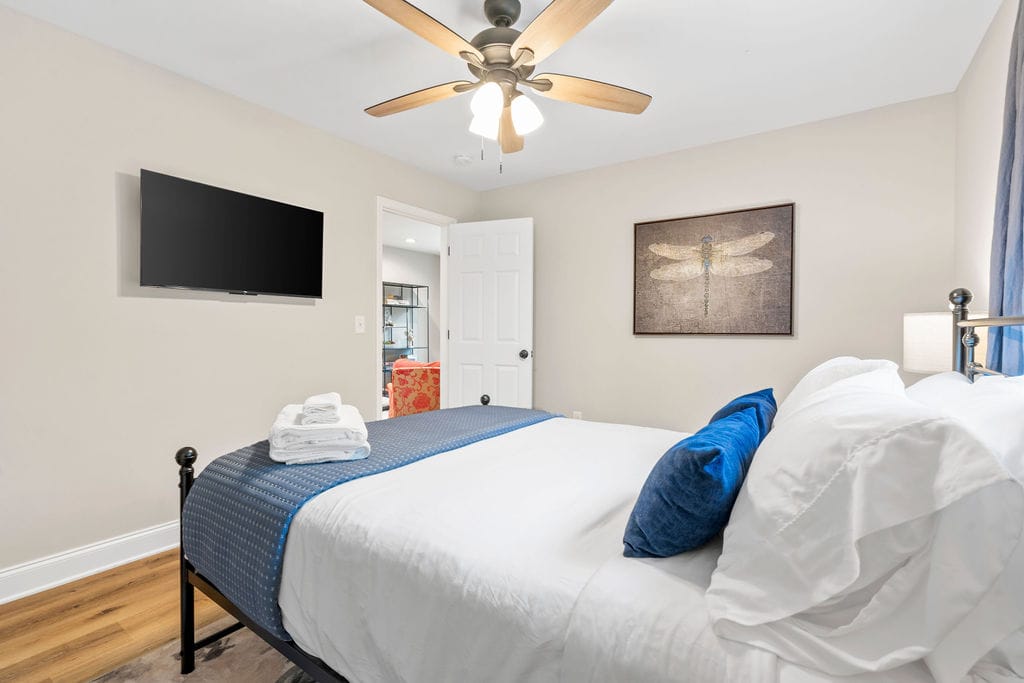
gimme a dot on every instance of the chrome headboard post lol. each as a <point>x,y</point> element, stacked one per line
<point>970,341</point>
<point>959,300</point>
<point>965,335</point>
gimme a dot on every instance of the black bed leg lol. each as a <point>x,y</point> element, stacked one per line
<point>188,633</point>
<point>185,458</point>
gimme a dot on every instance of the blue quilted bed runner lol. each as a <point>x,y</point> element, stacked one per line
<point>237,514</point>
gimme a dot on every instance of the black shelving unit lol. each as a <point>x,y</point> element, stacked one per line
<point>406,325</point>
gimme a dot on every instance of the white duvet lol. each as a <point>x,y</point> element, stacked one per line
<point>502,561</point>
<point>468,566</point>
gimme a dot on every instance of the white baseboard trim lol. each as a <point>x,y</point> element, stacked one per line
<point>23,580</point>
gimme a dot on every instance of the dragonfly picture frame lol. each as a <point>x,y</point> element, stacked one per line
<point>722,273</point>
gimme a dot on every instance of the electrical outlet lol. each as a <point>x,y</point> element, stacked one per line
<point>360,324</point>
<point>577,414</point>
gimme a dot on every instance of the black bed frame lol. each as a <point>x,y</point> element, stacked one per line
<point>190,580</point>
<point>965,339</point>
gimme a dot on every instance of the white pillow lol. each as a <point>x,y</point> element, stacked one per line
<point>879,374</point>
<point>992,408</point>
<point>1004,663</point>
<point>872,531</point>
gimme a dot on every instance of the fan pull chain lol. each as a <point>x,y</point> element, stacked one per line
<point>481,148</point>
<point>501,161</point>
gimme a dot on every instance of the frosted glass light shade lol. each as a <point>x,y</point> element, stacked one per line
<point>488,101</point>
<point>485,127</point>
<point>526,117</point>
<point>928,342</point>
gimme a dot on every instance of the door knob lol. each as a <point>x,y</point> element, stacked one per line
<point>524,354</point>
<point>485,399</point>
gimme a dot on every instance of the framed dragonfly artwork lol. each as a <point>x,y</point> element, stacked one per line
<point>723,273</point>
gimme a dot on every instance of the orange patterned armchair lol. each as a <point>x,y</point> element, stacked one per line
<point>414,387</point>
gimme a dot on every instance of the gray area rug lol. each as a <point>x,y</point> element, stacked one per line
<point>241,656</point>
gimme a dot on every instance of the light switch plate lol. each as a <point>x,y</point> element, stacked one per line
<point>360,324</point>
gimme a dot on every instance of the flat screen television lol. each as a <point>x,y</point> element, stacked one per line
<point>196,236</point>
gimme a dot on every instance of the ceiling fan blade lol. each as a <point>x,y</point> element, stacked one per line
<point>508,138</point>
<point>425,26</point>
<point>591,93</point>
<point>559,22</point>
<point>420,98</point>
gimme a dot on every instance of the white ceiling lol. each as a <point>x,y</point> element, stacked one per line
<point>717,69</point>
<point>395,230</point>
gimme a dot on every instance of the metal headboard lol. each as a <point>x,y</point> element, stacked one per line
<point>965,339</point>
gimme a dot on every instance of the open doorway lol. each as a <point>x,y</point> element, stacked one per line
<point>412,319</point>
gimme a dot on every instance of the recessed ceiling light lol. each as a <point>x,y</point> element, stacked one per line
<point>409,240</point>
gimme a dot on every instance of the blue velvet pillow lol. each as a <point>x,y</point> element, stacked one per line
<point>763,403</point>
<point>688,496</point>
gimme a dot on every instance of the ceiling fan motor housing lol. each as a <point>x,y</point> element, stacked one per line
<point>495,45</point>
<point>502,13</point>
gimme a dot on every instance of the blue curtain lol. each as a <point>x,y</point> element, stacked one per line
<point>1006,345</point>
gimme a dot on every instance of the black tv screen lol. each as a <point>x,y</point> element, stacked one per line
<point>197,236</point>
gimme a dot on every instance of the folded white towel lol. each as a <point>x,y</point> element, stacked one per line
<point>308,456</point>
<point>294,443</point>
<point>322,409</point>
<point>289,432</point>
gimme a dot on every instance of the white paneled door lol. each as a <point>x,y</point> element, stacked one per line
<point>490,294</point>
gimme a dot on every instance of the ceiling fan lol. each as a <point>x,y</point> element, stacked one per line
<point>502,59</point>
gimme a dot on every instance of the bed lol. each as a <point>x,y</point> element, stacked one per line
<point>552,594</point>
<point>502,560</point>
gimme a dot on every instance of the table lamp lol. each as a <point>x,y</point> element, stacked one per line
<point>927,342</point>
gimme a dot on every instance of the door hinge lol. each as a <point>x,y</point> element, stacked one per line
<point>449,334</point>
<point>449,250</point>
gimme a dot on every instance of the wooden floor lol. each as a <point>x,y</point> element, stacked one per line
<point>83,629</point>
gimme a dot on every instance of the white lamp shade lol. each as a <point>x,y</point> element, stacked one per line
<point>485,127</point>
<point>526,117</point>
<point>488,102</point>
<point>928,342</point>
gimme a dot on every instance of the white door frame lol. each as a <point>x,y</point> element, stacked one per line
<point>386,205</point>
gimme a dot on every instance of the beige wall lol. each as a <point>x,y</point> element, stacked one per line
<point>979,110</point>
<point>874,235</point>
<point>100,380</point>
<point>418,268</point>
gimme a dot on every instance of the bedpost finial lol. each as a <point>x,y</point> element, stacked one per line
<point>961,297</point>
<point>186,456</point>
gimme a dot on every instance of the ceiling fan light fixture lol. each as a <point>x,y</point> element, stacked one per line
<point>484,126</point>
<point>502,58</point>
<point>526,116</point>
<point>488,102</point>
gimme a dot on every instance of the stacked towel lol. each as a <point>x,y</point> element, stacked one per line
<point>322,409</point>
<point>295,443</point>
